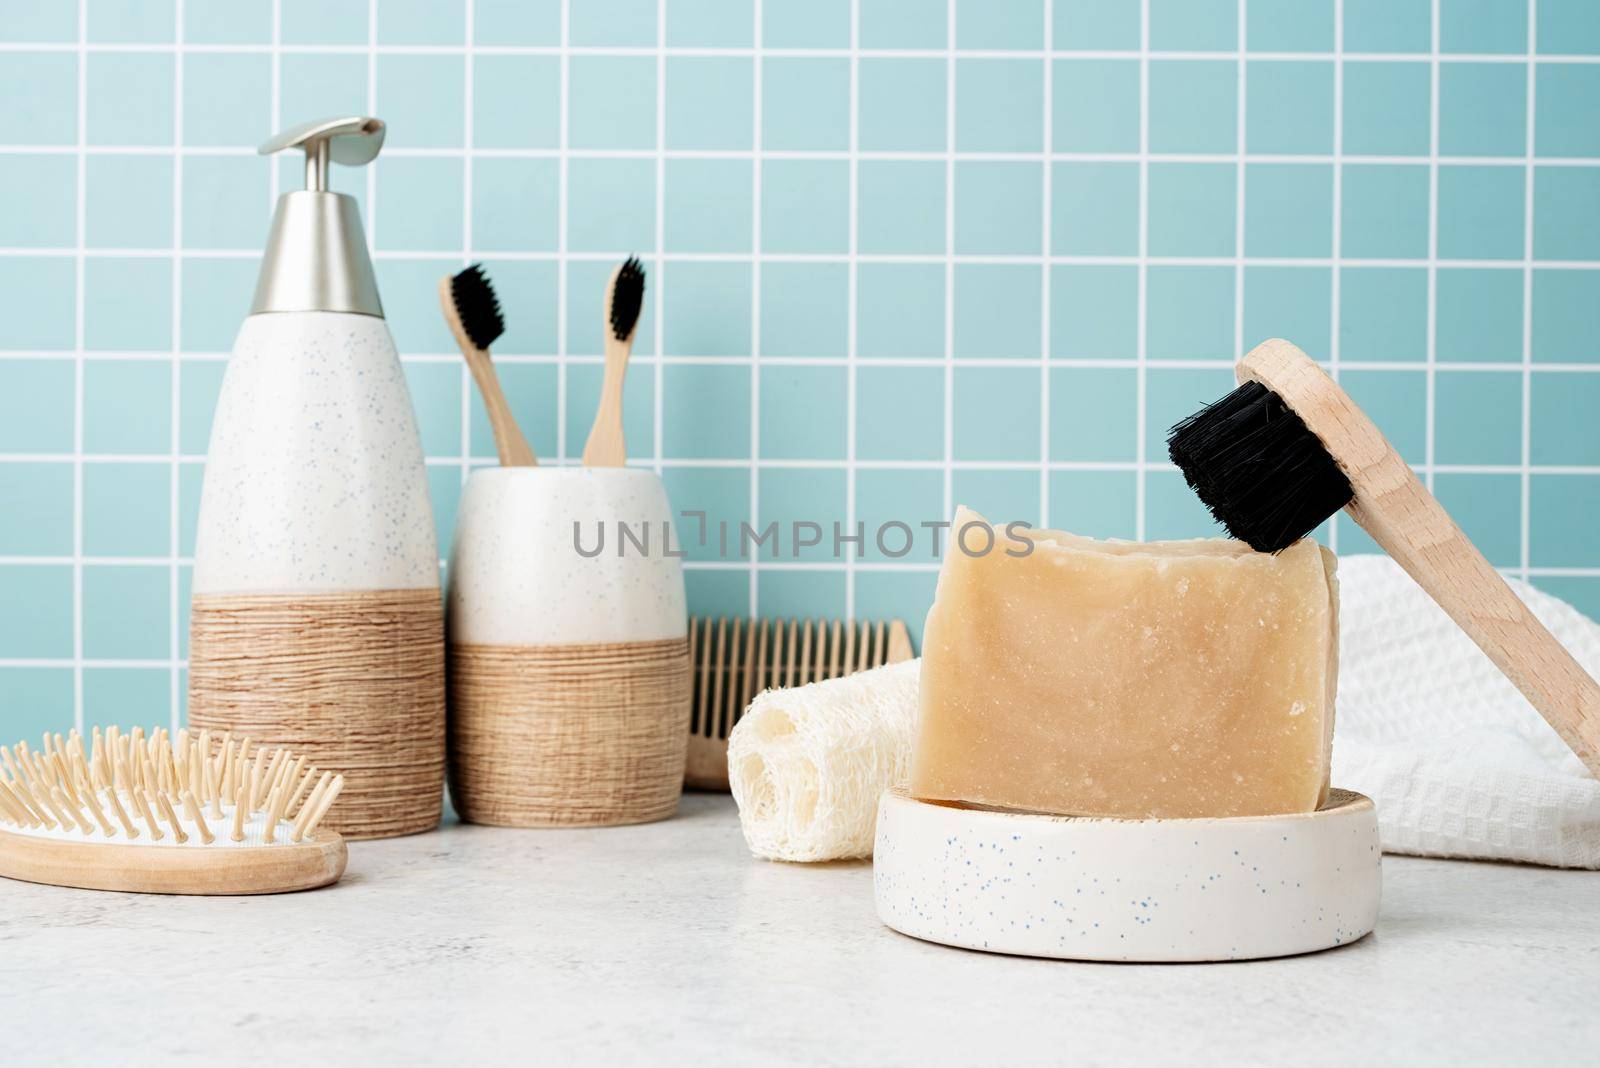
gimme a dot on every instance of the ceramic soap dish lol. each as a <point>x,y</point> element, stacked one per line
<point>1129,890</point>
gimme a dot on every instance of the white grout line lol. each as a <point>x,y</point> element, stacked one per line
<point>1045,281</point>
<point>1178,363</point>
<point>658,371</point>
<point>949,256</point>
<point>759,31</point>
<point>175,371</point>
<point>851,320</point>
<point>563,255</point>
<point>70,252</point>
<point>1430,391</point>
<point>468,136</point>
<point>888,155</point>
<point>803,462</point>
<point>1525,495</point>
<point>80,299</point>
<point>1241,17</point>
<point>1142,328</point>
<point>1336,247</point>
<point>649,51</point>
<point>156,664</point>
<point>275,105</point>
<point>372,109</point>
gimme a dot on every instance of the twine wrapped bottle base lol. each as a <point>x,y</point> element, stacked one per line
<point>568,735</point>
<point>355,681</point>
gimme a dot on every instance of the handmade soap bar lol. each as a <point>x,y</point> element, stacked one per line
<point>1165,679</point>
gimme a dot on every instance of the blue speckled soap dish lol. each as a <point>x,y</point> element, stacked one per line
<point>1129,890</point>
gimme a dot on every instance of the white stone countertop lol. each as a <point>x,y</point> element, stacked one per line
<point>669,944</point>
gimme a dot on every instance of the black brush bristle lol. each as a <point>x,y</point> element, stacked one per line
<point>627,298</point>
<point>477,306</point>
<point>1263,474</point>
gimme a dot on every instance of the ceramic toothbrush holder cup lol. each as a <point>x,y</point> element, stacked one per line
<point>568,654</point>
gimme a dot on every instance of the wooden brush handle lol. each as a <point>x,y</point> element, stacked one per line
<point>1413,527</point>
<point>512,447</point>
<point>606,446</point>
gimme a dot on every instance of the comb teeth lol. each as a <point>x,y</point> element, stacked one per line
<point>155,789</point>
<point>477,307</point>
<point>627,298</point>
<point>733,660</point>
<point>1257,467</point>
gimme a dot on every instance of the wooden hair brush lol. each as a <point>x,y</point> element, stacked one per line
<point>733,660</point>
<point>1288,448</point>
<point>148,814</point>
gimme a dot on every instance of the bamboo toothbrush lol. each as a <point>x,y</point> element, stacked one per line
<point>153,814</point>
<point>472,312</point>
<point>1288,448</point>
<point>735,660</point>
<point>624,300</point>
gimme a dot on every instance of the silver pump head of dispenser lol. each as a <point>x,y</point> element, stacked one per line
<point>316,257</point>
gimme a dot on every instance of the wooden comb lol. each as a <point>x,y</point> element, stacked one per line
<point>736,659</point>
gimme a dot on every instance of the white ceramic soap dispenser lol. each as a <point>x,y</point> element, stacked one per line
<point>316,620</point>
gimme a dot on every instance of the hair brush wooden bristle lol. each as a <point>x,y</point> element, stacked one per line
<point>1289,448</point>
<point>153,814</point>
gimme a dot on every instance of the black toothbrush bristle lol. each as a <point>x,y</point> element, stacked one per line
<point>1263,474</point>
<point>628,298</point>
<point>477,306</point>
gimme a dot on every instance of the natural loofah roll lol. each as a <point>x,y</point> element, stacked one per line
<point>807,765</point>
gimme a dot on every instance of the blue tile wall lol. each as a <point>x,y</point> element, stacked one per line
<point>903,254</point>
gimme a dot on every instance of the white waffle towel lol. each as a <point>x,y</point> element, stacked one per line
<point>1456,759</point>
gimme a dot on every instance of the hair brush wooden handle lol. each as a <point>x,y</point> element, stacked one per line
<point>1413,527</point>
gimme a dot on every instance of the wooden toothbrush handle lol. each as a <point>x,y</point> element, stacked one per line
<point>1394,507</point>
<point>606,446</point>
<point>512,448</point>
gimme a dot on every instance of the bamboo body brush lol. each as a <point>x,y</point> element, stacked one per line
<point>1289,448</point>
<point>472,312</point>
<point>151,814</point>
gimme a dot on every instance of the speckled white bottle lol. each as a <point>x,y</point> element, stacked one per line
<point>314,480</point>
<point>317,622</point>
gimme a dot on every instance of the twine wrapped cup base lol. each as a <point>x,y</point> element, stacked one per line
<point>589,735</point>
<point>355,681</point>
